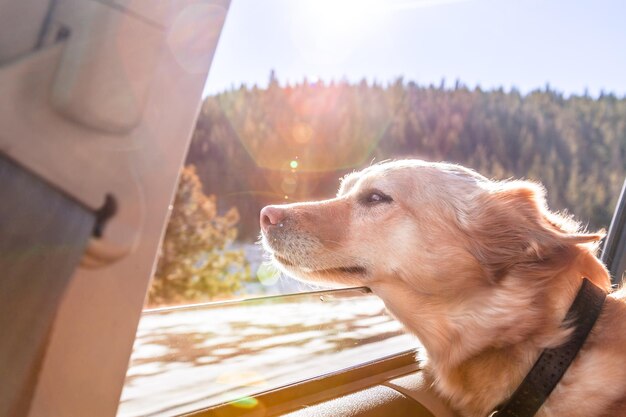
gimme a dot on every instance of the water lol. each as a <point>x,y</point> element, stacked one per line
<point>188,358</point>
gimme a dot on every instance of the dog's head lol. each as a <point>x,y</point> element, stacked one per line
<point>432,226</point>
<point>467,264</point>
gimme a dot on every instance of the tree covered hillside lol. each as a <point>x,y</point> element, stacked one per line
<point>257,146</point>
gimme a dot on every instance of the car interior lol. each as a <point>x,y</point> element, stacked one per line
<point>98,104</point>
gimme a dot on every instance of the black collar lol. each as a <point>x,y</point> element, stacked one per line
<point>552,363</point>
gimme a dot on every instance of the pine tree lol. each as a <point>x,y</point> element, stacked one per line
<point>576,145</point>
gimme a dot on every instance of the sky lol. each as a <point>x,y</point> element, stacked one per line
<point>572,45</point>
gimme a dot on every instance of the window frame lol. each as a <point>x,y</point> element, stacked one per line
<point>324,387</point>
<point>614,249</point>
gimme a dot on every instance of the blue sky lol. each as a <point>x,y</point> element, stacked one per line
<point>572,45</point>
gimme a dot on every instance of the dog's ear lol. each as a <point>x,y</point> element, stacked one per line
<point>511,228</point>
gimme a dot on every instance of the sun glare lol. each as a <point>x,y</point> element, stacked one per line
<point>328,32</point>
<point>333,28</point>
<point>343,17</point>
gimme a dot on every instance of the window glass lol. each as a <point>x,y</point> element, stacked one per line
<point>192,357</point>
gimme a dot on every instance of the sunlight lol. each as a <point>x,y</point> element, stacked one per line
<point>328,32</point>
<point>333,28</point>
<point>415,4</point>
<point>341,18</point>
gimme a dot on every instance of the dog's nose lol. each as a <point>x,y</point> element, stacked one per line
<point>271,216</point>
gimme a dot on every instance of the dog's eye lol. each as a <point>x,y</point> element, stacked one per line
<point>375,197</point>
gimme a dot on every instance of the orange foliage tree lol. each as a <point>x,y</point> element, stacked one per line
<point>194,260</point>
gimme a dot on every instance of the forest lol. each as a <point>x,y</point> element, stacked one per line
<point>254,146</point>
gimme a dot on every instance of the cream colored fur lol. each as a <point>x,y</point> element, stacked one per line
<point>481,271</point>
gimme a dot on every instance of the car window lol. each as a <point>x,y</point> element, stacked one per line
<point>302,93</point>
<point>188,358</point>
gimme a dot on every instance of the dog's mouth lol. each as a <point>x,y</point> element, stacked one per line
<point>352,270</point>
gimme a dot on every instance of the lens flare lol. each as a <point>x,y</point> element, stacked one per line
<point>267,274</point>
<point>245,402</point>
<point>302,133</point>
<point>311,123</point>
<point>289,185</point>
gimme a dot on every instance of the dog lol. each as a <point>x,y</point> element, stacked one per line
<point>481,271</point>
